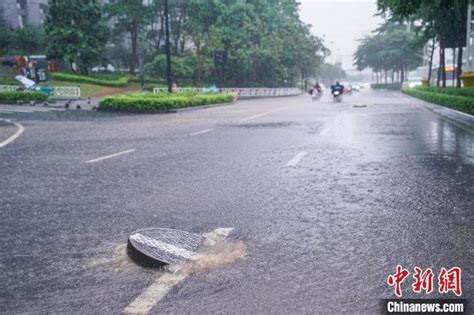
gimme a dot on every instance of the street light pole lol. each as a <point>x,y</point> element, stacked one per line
<point>168,52</point>
<point>469,45</point>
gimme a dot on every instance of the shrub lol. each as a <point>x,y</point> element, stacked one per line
<point>120,82</point>
<point>15,96</point>
<point>8,81</point>
<point>388,86</point>
<point>162,102</point>
<point>461,103</point>
<point>468,92</point>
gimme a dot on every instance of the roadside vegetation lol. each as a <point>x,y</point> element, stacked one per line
<point>459,99</point>
<point>161,102</point>
<point>102,80</point>
<point>391,52</point>
<point>436,23</point>
<point>13,97</point>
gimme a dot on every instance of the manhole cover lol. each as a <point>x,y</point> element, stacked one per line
<point>155,247</point>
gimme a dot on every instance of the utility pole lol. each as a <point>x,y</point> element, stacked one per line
<point>168,51</point>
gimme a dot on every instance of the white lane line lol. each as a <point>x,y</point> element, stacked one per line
<point>174,250</point>
<point>143,303</point>
<point>15,110</point>
<point>18,132</point>
<point>110,156</point>
<point>296,159</point>
<point>260,115</point>
<point>5,112</point>
<point>200,132</point>
<point>153,294</point>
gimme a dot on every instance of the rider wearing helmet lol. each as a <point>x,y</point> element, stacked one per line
<point>337,87</point>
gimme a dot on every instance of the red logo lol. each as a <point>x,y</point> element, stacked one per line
<point>448,280</point>
<point>423,280</point>
<point>397,279</point>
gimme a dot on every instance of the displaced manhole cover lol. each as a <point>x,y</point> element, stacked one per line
<point>155,247</point>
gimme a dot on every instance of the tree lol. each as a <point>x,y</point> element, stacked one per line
<point>391,49</point>
<point>130,17</point>
<point>76,32</point>
<point>28,40</point>
<point>444,19</point>
<point>265,42</point>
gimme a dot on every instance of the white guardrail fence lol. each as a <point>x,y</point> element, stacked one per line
<point>57,92</point>
<point>251,92</point>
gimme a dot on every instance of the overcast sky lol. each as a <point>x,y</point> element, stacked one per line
<point>341,22</point>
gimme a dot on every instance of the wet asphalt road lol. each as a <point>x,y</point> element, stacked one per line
<point>381,185</point>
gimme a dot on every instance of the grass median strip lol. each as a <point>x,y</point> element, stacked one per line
<point>111,81</point>
<point>161,102</point>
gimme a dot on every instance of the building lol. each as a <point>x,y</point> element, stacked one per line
<point>18,13</point>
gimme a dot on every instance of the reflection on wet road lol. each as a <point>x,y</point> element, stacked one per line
<point>381,183</point>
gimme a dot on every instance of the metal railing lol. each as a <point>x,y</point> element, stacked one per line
<point>256,92</point>
<point>251,92</point>
<point>65,92</point>
<point>4,88</point>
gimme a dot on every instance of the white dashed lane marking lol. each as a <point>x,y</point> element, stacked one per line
<point>110,156</point>
<point>200,132</point>
<point>260,115</point>
<point>296,159</point>
<point>143,303</point>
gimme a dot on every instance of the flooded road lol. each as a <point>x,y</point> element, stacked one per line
<point>326,198</point>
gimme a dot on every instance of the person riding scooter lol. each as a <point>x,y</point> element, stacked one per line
<point>337,90</point>
<point>337,87</point>
<point>317,88</point>
<point>316,91</point>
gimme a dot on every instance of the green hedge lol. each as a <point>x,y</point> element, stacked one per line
<point>389,86</point>
<point>461,103</point>
<point>121,82</point>
<point>15,96</point>
<point>8,81</point>
<point>160,103</point>
<point>468,92</point>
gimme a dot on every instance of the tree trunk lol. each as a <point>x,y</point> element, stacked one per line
<point>402,75</point>
<point>133,57</point>
<point>431,61</point>
<point>454,67</point>
<point>438,78</point>
<point>443,64</point>
<point>459,67</point>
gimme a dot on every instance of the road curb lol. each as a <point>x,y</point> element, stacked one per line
<point>448,113</point>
